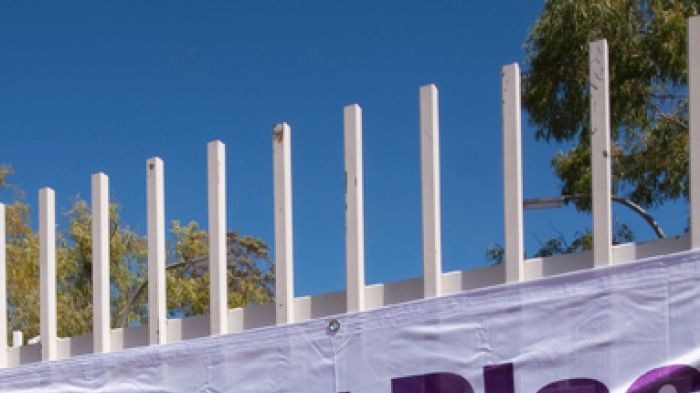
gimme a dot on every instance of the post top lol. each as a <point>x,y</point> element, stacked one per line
<point>279,131</point>
<point>154,161</point>
<point>603,42</point>
<point>429,87</point>
<point>514,65</point>
<point>281,125</point>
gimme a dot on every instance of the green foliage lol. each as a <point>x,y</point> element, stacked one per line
<point>250,274</point>
<point>557,245</point>
<point>582,241</point>
<point>249,271</point>
<point>495,254</point>
<point>22,270</point>
<point>74,270</point>
<point>648,82</point>
<point>4,172</point>
<point>128,253</point>
<point>647,42</point>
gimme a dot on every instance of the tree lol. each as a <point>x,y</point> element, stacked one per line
<point>22,254</point>
<point>559,244</point>
<point>250,272</point>
<point>4,172</point>
<point>647,41</point>
<point>648,83</point>
<point>127,260</point>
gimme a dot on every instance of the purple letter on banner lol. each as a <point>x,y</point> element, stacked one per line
<point>431,383</point>
<point>575,385</point>
<point>684,378</point>
<point>499,378</point>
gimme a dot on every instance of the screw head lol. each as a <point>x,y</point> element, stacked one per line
<point>333,326</point>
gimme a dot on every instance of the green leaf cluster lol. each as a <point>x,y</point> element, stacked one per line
<point>250,276</point>
<point>250,272</point>
<point>622,233</point>
<point>647,42</point>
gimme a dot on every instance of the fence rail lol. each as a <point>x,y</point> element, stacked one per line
<point>358,296</point>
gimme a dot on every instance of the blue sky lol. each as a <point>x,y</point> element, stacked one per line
<point>102,86</point>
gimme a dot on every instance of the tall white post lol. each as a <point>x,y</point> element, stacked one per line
<point>694,127</point>
<point>430,186</point>
<point>218,293</point>
<point>354,210</point>
<point>156,251</point>
<point>512,173</point>
<point>100,263</point>
<point>3,290</point>
<point>600,153</point>
<point>47,273</point>
<point>284,265</point>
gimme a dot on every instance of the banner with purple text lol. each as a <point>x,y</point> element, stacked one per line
<point>633,328</point>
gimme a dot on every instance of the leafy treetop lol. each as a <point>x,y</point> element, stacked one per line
<point>250,274</point>
<point>648,87</point>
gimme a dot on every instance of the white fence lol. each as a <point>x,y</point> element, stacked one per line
<point>358,296</point>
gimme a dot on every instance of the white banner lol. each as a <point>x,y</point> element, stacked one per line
<point>626,329</point>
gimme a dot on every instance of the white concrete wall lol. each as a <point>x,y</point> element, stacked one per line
<point>377,295</point>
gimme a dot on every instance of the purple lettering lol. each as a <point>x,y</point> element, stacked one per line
<point>683,378</point>
<point>499,378</point>
<point>575,385</point>
<point>431,383</point>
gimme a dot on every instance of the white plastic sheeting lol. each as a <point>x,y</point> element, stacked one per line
<point>633,328</point>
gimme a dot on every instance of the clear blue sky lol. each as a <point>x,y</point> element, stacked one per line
<point>102,86</point>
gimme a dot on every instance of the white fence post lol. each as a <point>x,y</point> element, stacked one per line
<point>284,265</point>
<point>354,210</point>
<point>512,173</point>
<point>3,290</point>
<point>47,273</point>
<point>601,186</point>
<point>100,263</point>
<point>430,186</point>
<point>17,338</point>
<point>694,127</point>
<point>156,251</point>
<point>218,290</point>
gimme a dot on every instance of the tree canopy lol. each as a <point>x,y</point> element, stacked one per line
<point>647,43</point>
<point>250,272</point>
<point>4,171</point>
<point>648,89</point>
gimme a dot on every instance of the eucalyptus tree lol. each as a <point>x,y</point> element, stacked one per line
<point>250,272</point>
